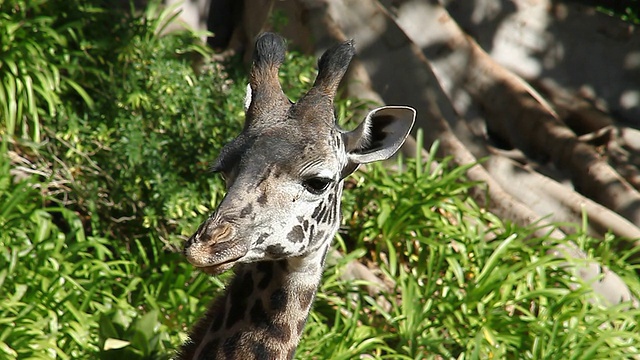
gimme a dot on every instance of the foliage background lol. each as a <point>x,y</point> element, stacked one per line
<point>108,129</point>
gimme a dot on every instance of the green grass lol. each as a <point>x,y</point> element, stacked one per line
<point>467,285</point>
<point>40,42</point>
<point>91,219</point>
<point>66,292</point>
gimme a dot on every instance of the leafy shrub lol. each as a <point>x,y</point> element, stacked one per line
<point>39,42</point>
<point>67,295</point>
<point>73,290</point>
<point>139,156</point>
<point>88,275</point>
<point>138,160</point>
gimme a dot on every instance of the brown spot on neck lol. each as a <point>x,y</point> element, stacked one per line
<point>262,315</point>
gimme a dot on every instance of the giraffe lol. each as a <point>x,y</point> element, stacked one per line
<point>284,177</point>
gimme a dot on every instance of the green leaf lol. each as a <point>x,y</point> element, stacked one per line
<point>146,324</point>
<point>495,258</point>
<point>83,94</point>
<point>112,344</point>
<point>7,350</point>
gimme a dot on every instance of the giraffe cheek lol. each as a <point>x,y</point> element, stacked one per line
<point>216,270</point>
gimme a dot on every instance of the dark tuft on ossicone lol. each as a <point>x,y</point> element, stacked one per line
<point>317,104</point>
<point>337,58</point>
<point>270,50</point>
<point>332,66</point>
<point>268,101</point>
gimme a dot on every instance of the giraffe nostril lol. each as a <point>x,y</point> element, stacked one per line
<point>215,247</point>
<point>220,233</point>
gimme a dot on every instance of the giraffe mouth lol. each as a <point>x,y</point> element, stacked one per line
<point>216,258</point>
<point>217,269</point>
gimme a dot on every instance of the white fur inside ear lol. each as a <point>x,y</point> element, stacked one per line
<point>365,137</point>
<point>388,127</point>
<point>247,98</point>
<point>362,133</point>
<point>364,140</point>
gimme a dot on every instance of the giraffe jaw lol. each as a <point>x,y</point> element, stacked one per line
<point>217,269</point>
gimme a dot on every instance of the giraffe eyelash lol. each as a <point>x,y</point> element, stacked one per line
<point>317,185</point>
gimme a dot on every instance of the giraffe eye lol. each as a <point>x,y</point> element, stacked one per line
<point>316,185</point>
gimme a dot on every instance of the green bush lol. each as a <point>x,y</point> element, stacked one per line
<point>81,280</point>
<point>119,182</point>
<point>140,157</point>
<point>68,295</point>
<point>39,43</point>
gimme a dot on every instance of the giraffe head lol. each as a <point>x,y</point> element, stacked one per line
<point>284,172</point>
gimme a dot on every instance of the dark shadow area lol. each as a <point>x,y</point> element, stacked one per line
<point>578,47</point>
<point>481,21</point>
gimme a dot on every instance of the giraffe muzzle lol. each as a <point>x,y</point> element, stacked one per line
<point>215,249</point>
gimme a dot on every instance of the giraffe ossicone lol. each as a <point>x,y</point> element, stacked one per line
<point>284,176</point>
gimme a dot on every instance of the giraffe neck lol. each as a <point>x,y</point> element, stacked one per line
<point>262,313</point>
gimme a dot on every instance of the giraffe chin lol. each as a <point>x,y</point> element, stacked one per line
<point>217,269</point>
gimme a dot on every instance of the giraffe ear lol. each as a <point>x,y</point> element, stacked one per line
<point>378,137</point>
